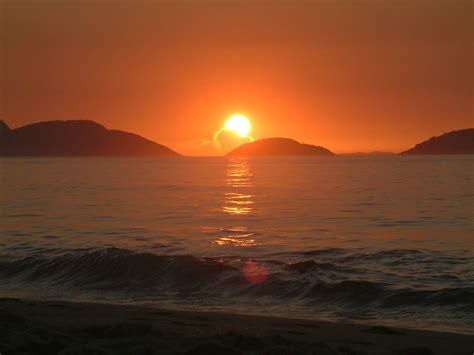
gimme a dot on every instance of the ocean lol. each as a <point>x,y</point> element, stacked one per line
<point>384,239</point>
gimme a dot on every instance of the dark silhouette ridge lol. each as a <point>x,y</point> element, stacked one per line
<point>278,146</point>
<point>455,142</point>
<point>3,128</point>
<point>75,138</point>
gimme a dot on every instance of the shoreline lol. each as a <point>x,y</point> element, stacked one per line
<point>60,327</point>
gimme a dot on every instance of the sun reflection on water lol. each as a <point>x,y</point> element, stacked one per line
<point>238,179</point>
<point>238,201</point>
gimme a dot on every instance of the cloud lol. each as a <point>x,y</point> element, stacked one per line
<point>222,140</point>
<point>198,142</point>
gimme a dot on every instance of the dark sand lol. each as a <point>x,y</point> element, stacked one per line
<point>34,327</point>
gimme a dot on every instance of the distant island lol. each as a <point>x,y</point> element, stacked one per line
<point>278,146</point>
<point>75,138</point>
<point>455,142</point>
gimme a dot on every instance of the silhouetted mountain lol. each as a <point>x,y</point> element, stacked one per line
<point>3,128</point>
<point>455,142</point>
<point>278,146</point>
<point>75,138</point>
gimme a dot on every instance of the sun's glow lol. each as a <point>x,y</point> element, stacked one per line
<point>239,124</point>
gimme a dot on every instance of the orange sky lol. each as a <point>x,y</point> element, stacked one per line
<point>349,75</point>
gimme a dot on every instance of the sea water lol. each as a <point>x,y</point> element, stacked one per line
<point>382,240</point>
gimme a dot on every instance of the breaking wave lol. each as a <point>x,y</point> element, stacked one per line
<point>147,275</point>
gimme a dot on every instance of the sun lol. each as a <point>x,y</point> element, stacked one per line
<point>239,124</point>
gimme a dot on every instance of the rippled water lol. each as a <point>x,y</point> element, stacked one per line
<point>372,239</point>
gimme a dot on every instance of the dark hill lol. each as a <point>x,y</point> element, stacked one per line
<point>4,129</point>
<point>455,142</point>
<point>278,146</point>
<point>75,138</point>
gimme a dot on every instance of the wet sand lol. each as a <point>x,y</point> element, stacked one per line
<point>38,327</point>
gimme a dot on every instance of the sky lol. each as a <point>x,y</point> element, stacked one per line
<point>349,75</point>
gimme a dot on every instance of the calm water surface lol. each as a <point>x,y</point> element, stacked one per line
<point>368,239</point>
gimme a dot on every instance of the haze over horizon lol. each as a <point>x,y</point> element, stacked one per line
<point>365,76</point>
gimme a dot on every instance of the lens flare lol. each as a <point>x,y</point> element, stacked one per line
<point>254,273</point>
<point>239,124</point>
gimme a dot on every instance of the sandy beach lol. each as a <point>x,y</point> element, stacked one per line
<point>38,327</point>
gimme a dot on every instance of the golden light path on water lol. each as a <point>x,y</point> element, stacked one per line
<point>238,201</point>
